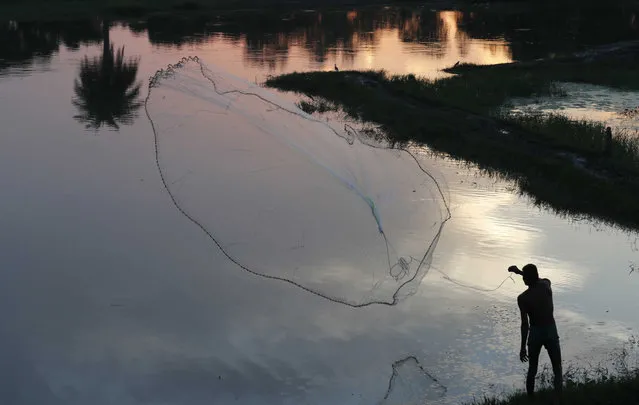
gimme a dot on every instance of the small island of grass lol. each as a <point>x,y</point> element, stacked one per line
<point>562,164</point>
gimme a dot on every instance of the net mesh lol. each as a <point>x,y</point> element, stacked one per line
<point>411,383</point>
<point>289,197</point>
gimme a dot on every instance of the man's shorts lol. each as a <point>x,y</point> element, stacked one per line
<point>543,336</point>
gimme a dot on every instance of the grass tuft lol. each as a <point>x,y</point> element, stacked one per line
<point>614,383</point>
<point>316,106</point>
<point>584,137</point>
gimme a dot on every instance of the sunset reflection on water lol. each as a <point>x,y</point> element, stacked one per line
<point>400,43</point>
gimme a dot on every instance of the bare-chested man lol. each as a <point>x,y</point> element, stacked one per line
<point>536,308</point>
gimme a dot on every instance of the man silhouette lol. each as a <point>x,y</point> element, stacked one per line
<point>536,308</point>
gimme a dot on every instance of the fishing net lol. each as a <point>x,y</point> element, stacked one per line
<point>290,197</point>
<point>411,383</point>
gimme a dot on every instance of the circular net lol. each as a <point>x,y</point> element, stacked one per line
<point>290,197</point>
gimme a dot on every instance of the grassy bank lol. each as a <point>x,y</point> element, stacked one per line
<point>620,390</point>
<point>607,66</point>
<point>558,162</point>
<point>613,382</point>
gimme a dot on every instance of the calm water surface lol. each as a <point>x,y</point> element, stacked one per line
<point>618,109</point>
<point>108,296</point>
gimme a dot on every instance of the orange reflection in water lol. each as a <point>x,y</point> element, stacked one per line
<point>421,43</point>
<point>408,49</point>
<point>462,47</point>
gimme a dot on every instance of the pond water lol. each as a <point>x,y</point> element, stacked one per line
<point>108,295</point>
<point>615,108</point>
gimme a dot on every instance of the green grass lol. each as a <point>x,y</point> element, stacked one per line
<point>582,386</point>
<point>623,390</point>
<point>583,137</point>
<point>480,93</point>
<point>459,116</point>
<point>613,382</point>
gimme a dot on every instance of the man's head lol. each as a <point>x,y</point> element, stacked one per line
<point>531,276</point>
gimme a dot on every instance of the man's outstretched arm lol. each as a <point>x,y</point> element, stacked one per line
<point>523,355</point>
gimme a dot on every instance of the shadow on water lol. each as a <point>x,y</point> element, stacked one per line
<point>26,45</point>
<point>106,90</point>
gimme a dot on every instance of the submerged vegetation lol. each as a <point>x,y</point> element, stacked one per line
<point>560,163</point>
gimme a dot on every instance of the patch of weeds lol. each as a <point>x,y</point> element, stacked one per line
<point>562,132</point>
<point>614,70</point>
<point>316,106</point>
<point>614,382</point>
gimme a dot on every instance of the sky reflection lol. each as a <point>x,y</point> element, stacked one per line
<point>108,296</point>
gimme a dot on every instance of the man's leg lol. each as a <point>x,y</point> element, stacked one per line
<point>534,349</point>
<point>554,352</point>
